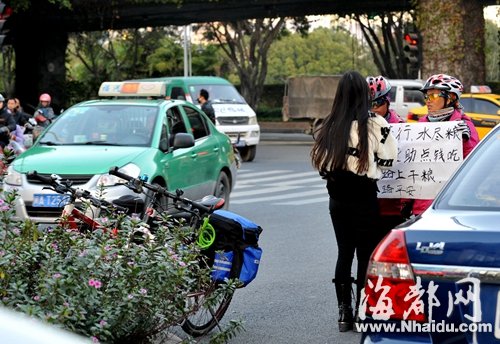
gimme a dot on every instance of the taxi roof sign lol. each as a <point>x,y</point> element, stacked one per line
<point>132,88</point>
<point>480,89</point>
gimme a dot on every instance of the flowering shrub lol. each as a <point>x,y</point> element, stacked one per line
<point>98,284</point>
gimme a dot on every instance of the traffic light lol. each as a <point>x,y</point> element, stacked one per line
<point>413,54</point>
<point>5,13</point>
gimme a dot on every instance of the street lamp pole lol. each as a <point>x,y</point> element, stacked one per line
<point>187,50</point>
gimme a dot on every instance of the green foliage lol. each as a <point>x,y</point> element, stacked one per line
<point>269,114</point>
<point>99,284</point>
<point>492,51</point>
<point>323,51</point>
<point>167,59</point>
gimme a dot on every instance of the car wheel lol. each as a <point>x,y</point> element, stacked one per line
<point>248,153</point>
<point>223,188</point>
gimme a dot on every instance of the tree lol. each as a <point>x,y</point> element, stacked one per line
<point>456,48</point>
<point>492,51</point>
<point>323,51</point>
<point>384,34</point>
<point>246,43</point>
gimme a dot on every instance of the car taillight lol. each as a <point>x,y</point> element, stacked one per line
<point>390,277</point>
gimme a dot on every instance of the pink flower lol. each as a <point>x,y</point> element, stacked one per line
<point>102,323</point>
<point>143,291</point>
<point>94,339</point>
<point>36,297</point>
<point>130,296</point>
<point>56,275</point>
<point>95,283</point>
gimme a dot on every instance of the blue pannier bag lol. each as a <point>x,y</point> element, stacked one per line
<point>239,236</point>
<point>251,261</point>
<point>232,227</point>
<point>223,262</point>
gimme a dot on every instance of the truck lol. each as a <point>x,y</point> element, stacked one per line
<point>311,97</point>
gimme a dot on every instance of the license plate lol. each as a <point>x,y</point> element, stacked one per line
<point>50,200</point>
<point>241,143</point>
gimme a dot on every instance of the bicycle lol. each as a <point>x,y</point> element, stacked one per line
<point>210,303</point>
<point>76,216</point>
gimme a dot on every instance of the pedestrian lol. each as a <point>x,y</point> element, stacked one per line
<point>44,114</point>
<point>7,123</point>
<point>442,96</point>
<point>350,149</point>
<point>21,117</point>
<point>390,208</point>
<point>206,105</point>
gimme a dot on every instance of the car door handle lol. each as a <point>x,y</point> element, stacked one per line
<point>216,149</point>
<point>194,155</point>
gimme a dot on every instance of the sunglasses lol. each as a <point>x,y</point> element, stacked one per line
<point>378,102</point>
<point>433,96</point>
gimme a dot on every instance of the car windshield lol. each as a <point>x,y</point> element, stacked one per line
<point>116,125</point>
<point>477,185</point>
<point>218,93</point>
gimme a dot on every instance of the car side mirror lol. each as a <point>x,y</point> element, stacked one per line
<point>163,145</point>
<point>183,140</point>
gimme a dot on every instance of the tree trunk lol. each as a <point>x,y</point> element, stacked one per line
<point>452,45</point>
<point>40,66</point>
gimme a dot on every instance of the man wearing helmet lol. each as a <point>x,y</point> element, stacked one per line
<point>7,123</point>
<point>390,214</point>
<point>44,114</point>
<point>442,94</point>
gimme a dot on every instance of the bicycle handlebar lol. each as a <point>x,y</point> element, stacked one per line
<point>63,188</point>
<point>136,182</point>
<point>44,179</point>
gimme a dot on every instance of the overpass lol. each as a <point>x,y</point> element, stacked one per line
<point>91,15</point>
<point>40,33</point>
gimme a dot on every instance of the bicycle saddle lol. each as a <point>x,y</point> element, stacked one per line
<point>212,202</point>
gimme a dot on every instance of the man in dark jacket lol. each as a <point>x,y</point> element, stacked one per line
<point>206,105</point>
<point>7,123</point>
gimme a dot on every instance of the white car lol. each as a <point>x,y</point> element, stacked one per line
<point>406,94</point>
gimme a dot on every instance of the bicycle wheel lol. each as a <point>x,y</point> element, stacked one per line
<point>208,313</point>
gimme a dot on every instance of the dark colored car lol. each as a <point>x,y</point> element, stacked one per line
<point>436,279</point>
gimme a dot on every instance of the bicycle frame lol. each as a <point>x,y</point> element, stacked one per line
<point>71,215</point>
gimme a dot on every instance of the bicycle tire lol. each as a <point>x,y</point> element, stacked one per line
<point>206,317</point>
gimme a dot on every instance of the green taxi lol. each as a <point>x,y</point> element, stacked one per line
<point>171,142</point>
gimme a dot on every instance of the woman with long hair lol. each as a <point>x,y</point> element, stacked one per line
<point>351,148</point>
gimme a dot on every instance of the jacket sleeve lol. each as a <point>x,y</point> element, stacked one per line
<point>10,122</point>
<point>387,147</point>
<point>473,140</point>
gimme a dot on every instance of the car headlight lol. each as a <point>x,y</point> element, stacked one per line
<point>252,120</point>
<point>110,180</point>
<point>13,177</point>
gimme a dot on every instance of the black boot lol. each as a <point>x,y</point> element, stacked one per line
<point>357,319</point>
<point>345,306</point>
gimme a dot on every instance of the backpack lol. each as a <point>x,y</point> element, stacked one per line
<point>235,252</point>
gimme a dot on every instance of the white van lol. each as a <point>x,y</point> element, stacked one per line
<point>406,94</point>
<point>233,115</point>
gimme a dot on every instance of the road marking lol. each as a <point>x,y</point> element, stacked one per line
<point>280,187</point>
<point>261,191</point>
<point>245,174</point>
<point>278,197</point>
<point>305,201</point>
<point>275,178</point>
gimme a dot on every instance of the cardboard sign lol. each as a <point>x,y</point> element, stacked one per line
<point>428,154</point>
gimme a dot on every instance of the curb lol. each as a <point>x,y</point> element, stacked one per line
<point>285,127</point>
